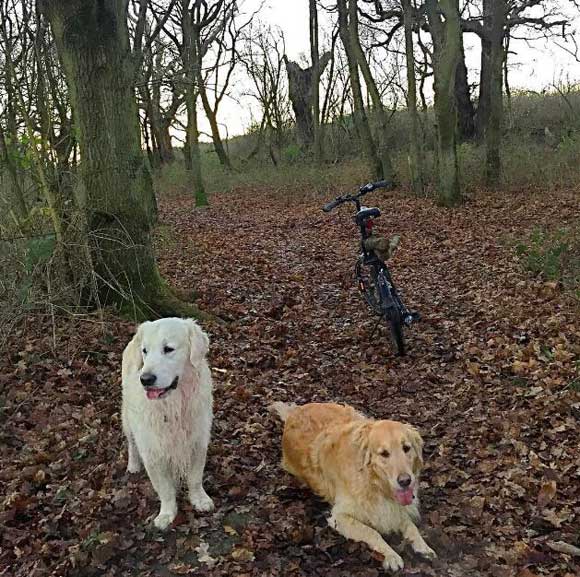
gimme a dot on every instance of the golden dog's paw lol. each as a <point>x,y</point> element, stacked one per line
<point>425,550</point>
<point>163,520</point>
<point>201,502</point>
<point>393,562</point>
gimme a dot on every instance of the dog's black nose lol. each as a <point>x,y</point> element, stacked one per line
<point>148,379</point>
<point>404,480</point>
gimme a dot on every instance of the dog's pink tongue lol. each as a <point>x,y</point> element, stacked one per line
<point>404,497</point>
<point>154,393</point>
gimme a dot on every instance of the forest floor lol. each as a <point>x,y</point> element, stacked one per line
<point>491,380</point>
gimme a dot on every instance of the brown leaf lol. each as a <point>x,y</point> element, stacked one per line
<point>241,554</point>
<point>546,494</point>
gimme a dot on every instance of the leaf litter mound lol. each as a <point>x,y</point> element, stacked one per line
<point>491,380</point>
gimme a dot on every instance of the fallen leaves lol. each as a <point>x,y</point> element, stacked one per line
<point>489,381</point>
<point>546,494</point>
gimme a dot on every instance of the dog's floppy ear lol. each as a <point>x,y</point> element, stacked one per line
<point>361,440</point>
<point>417,443</point>
<point>198,343</point>
<point>132,357</point>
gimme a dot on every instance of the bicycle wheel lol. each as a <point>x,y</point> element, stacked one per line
<point>377,289</point>
<point>396,326</point>
<point>368,285</point>
<point>390,304</point>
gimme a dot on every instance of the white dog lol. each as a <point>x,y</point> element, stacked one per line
<point>167,410</point>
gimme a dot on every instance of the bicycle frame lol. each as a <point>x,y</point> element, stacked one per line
<point>382,297</point>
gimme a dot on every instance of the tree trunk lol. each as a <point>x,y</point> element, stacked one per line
<point>483,103</point>
<point>415,152</point>
<point>211,117</point>
<point>360,117</point>
<point>190,58</point>
<point>165,147</point>
<point>300,85</point>
<point>194,151</point>
<point>92,40</point>
<point>446,36</point>
<point>388,172</point>
<point>159,126</point>
<point>14,201</point>
<point>465,109</point>
<point>299,92</point>
<point>315,97</point>
<point>494,12</point>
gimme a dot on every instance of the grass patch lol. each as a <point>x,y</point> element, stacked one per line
<point>553,255</point>
<point>529,166</point>
<point>173,180</point>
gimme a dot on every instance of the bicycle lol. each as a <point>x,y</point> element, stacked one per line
<point>371,271</point>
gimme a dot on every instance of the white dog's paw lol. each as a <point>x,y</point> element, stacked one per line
<point>393,562</point>
<point>425,550</point>
<point>163,520</point>
<point>134,466</point>
<point>201,502</point>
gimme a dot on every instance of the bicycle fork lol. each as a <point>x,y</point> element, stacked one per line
<point>392,300</point>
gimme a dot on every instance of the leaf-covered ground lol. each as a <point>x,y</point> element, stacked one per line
<point>491,380</point>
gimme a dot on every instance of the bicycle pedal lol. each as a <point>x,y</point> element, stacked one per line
<point>411,318</point>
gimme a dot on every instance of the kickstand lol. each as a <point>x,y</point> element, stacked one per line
<point>375,327</point>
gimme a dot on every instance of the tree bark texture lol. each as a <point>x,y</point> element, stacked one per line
<point>190,58</point>
<point>14,200</point>
<point>300,90</point>
<point>465,108</point>
<point>315,97</point>
<point>494,13</point>
<point>378,108</point>
<point>446,34</point>
<point>415,147</point>
<point>92,40</point>
<point>211,116</point>
<point>360,116</point>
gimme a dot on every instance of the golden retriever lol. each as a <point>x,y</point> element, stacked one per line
<point>167,410</point>
<point>367,470</point>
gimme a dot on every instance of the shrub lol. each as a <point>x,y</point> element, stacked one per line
<point>554,255</point>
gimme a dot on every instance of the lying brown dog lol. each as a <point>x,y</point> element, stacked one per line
<point>367,470</point>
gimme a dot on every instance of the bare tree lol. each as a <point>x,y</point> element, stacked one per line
<point>348,31</point>
<point>160,90</point>
<point>301,87</point>
<point>445,28</point>
<point>191,60</point>
<point>315,96</point>
<point>100,67</point>
<point>263,57</point>
<point>415,156</point>
<point>495,21</point>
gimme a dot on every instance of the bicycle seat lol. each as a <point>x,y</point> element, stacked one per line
<point>364,213</point>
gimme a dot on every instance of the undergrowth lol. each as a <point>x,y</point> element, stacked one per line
<point>554,255</point>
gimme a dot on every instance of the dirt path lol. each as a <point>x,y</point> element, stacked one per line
<point>491,380</point>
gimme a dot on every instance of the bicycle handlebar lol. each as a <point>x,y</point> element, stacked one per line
<point>333,204</point>
<point>369,187</point>
<point>374,185</point>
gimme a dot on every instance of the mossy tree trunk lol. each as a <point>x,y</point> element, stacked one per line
<point>14,201</point>
<point>190,59</point>
<point>494,14</point>
<point>360,116</point>
<point>465,108</point>
<point>92,41</point>
<point>445,27</point>
<point>315,93</point>
<point>415,152</point>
